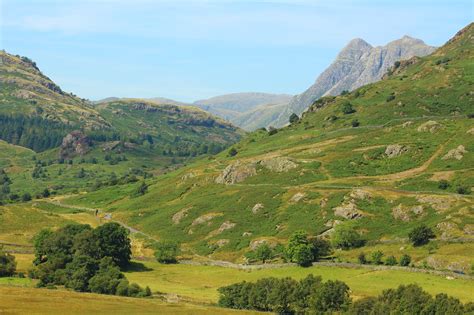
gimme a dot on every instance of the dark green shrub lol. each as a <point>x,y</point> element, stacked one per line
<point>166,252</point>
<point>443,184</point>
<point>345,237</point>
<point>420,235</point>
<point>263,252</point>
<point>376,257</point>
<point>7,264</point>
<point>26,197</point>
<point>347,108</point>
<point>405,260</point>
<point>391,261</point>
<point>361,258</point>
<point>294,118</point>
<point>462,190</point>
<point>272,131</point>
<point>232,152</point>
<point>299,250</point>
<point>321,247</point>
<point>332,296</point>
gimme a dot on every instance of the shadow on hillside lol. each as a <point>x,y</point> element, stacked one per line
<point>137,267</point>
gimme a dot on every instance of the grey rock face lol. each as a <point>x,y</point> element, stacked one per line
<point>356,65</point>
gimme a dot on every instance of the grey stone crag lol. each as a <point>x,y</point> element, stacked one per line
<point>356,65</point>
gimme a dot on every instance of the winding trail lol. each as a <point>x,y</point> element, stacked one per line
<point>107,217</point>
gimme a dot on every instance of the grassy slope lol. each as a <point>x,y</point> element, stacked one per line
<point>333,159</point>
<point>199,284</point>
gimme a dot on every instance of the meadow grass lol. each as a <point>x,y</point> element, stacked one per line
<point>17,300</point>
<point>200,283</point>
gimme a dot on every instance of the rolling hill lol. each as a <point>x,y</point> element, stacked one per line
<point>371,159</point>
<point>55,140</point>
<point>249,111</point>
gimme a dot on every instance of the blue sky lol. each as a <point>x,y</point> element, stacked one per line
<point>188,50</point>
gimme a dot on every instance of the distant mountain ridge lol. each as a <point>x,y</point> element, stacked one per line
<point>358,64</point>
<point>241,108</point>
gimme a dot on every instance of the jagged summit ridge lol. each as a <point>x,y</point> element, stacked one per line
<point>357,64</point>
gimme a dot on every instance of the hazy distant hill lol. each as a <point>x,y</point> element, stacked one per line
<point>356,65</point>
<point>241,108</point>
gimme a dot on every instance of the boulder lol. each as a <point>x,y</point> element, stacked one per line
<point>239,171</point>
<point>394,150</point>
<point>178,216</point>
<point>221,243</point>
<point>457,153</point>
<point>75,143</point>
<point>469,229</point>
<point>431,126</point>
<point>348,210</point>
<point>447,229</point>
<point>297,197</point>
<point>236,173</point>
<point>227,225</point>
<point>205,218</point>
<point>279,164</point>
<point>360,194</point>
<point>404,213</point>
<point>257,208</point>
<point>439,203</point>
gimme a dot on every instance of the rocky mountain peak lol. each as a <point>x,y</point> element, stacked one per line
<point>358,64</point>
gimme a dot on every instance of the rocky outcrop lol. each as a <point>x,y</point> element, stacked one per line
<point>205,218</point>
<point>75,143</point>
<point>429,126</point>
<point>239,171</point>
<point>360,194</point>
<point>297,197</point>
<point>394,150</point>
<point>256,209</point>
<point>469,229</point>
<point>405,213</point>
<point>448,230</point>
<point>457,153</point>
<point>236,173</point>
<point>348,210</point>
<point>279,164</point>
<point>439,203</point>
<point>178,216</point>
<point>227,225</point>
<point>356,65</point>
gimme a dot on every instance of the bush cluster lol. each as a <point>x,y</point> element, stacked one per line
<point>303,250</point>
<point>166,252</point>
<point>85,259</point>
<point>376,258</point>
<point>409,299</point>
<point>7,264</point>
<point>345,237</point>
<point>311,296</point>
<point>287,296</point>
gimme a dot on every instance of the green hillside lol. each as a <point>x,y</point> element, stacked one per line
<point>81,145</point>
<point>36,113</point>
<point>372,159</point>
